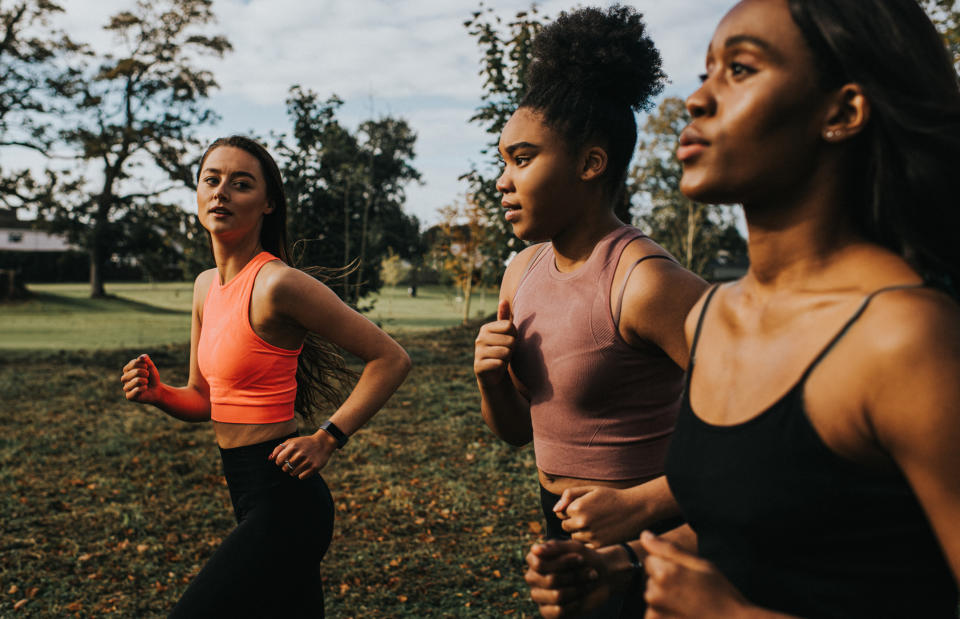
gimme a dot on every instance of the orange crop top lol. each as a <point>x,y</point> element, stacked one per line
<point>251,381</point>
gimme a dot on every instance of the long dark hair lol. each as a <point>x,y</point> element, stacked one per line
<point>322,373</point>
<point>590,70</point>
<point>904,189</point>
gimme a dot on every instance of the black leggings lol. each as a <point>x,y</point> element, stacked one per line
<point>269,565</point>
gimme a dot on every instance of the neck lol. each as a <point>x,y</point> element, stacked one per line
<point>232,256</point>
<point>574,245</point>
<point>793,240</point>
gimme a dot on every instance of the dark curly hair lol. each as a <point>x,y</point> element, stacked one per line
<point>903,166</point>
<point>591,70</point>
<point>322,372</point>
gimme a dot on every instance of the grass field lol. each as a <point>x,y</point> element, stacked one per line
<point>110,508</point>
<point>63,317</point>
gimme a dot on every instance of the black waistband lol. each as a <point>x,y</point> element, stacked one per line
<point>247,467</point>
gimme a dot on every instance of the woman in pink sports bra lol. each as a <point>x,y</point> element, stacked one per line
<point>258,349</point>
<point>586,358</point>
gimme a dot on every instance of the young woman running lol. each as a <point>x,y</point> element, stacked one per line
<point>258,349</point>
<point>587,353</point>
<point>815,456</point>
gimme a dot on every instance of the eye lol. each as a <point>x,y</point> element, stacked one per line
<point>522,159</point>
<point>241,185</point>
<point>211,181</point>
<point>739,69</point>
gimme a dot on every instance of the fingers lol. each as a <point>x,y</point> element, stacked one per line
<point>503,310</point>
<point>569,496</point>
<point>297,458</point>
<point>661,548</point>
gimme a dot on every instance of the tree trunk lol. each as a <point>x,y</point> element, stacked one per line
<point>363,247</point>
<point>96,271</point>
<point>467,292</point>
<point>691,232</point>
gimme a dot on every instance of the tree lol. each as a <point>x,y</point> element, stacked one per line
<point>28,47</point>
<point>459,239</point>
<point>506,52</point>
<point>132,111</point>
<point>695,233</point>
<point>346,191</point>
<point>946,15</point>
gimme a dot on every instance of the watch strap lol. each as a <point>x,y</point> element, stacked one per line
<point>331,428</point>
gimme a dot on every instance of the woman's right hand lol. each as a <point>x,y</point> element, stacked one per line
<point>141,381</point>
<point>494,346</point>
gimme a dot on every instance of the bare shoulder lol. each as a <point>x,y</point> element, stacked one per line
<point>656,286</point>
<point>696,310</point>
<point>283,284</point>
<point>516,269</point>
<point>909,346</point>
<point>201,286</point>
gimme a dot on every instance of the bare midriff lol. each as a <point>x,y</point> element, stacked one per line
<point>230,435</point>
<point>558,483</point>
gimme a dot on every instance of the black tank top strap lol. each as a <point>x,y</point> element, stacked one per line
<point>623,286</point>
<point>847,325</point>
<point>696,333</point>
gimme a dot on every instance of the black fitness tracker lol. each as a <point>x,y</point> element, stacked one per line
<point>331,428</point>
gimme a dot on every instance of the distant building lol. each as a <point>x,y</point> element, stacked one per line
<point>36,255</point>
<point>18,235</point>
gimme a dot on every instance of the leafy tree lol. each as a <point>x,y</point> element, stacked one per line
<point>506,49</point>
<point>346,191</point>
<point>946,16</point>
<point>695,233</point>
<point>458,242</point>
<point>138,109</point>
<point>28,47</point>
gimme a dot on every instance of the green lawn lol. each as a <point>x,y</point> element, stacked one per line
<point>139,315</point>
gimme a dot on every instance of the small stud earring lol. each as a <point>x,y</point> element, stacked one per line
<point>829,134</point>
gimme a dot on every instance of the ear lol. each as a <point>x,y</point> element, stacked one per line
<point>593,163</point>
<point>269,208</point>
<point>847,113</point>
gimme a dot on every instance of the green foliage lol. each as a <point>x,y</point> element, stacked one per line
<point>346,191</point>
<point>693,232</point>
<point>506,49</point>
<point>393,270</point>
<point>946,16</point>
<point>28,47</point>
<point>136,109</point>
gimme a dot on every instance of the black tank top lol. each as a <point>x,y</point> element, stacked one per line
<point>796,527</point>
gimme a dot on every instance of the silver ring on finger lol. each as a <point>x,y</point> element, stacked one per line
<point>288,466</point>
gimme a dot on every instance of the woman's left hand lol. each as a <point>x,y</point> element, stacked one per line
<point>304,456</point>
<point>680,584</point>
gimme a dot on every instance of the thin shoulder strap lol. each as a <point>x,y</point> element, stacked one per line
<point>850,322</point>
<point>623,286</point>
<point>696,333</point>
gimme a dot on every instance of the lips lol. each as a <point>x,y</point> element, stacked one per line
<point>512,212</point>
<point>691,144</point>
<point>219,210</point>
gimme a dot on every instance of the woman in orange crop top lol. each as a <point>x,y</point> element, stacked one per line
<point>251,318</point>
<point>587,355</point>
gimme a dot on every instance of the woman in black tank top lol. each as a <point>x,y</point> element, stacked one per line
<point>816,453</point>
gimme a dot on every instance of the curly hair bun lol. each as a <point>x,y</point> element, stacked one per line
<point>603,52</point>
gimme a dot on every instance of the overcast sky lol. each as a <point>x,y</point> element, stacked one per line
<point>410,58</point>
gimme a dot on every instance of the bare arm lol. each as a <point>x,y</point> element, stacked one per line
<point>504,402</point>
<point>310,304</point>
<point>913,403</point>
<point>141,380</point>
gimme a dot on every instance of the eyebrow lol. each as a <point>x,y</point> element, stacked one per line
<point>518,145</point>
<point>234,175</point>
<point>746,38</point>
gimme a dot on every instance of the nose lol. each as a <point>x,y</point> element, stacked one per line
<point>701,101</point>
<point>504,182</point>
<point>221,192</point>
